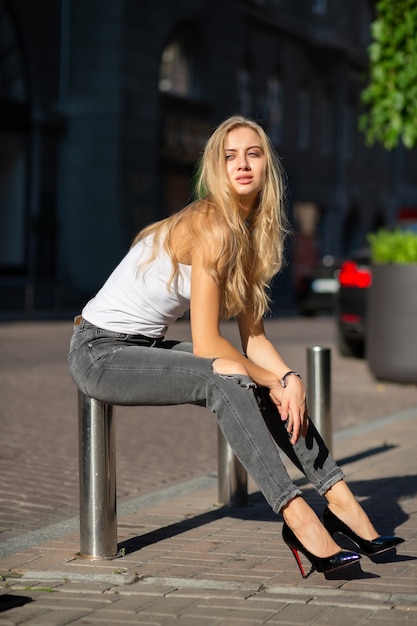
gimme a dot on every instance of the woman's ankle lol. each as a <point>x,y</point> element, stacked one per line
<point>303,521</point>
<point>297,513</point>
<point>344,505</point>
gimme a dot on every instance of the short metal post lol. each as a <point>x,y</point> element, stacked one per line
<point>232,476</point>
<point>97,462</point>
<point>319,391</point>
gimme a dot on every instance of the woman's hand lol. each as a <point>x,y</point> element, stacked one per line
<point>292,407</point>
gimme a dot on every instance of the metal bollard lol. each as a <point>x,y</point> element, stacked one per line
<point>319,391</point>
<point>232,477</point>
<point>97,466</point>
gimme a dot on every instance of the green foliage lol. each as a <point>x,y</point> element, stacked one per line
<point>393,246</point>
<point>391,95</point>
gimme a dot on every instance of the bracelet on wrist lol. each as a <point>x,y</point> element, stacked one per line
<point>285,377</point>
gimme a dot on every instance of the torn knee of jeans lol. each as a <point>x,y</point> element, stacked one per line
<point>231,370</point>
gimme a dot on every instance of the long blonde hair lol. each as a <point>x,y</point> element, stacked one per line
<point>242,256</point>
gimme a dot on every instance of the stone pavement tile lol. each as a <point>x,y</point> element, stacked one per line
<point>292,580</point>
<point>271,546</point>
<point>210,558</point>
<point>233,576</point>
<point>22,614</point>
<point>44,559</point>
<point>227,547</point>
<point>193,564</point>
<point>214,594</point>
<point>224,610</point>
<point>47,607</point>
<point>296,592</point>
<point>170,605</point>
<point>182,571</point>
<point>399,571</point>
<point>53,599</point>
<point>270,567</point>
<point>302,614</point>
<point>153,569</point>
<point>120,620</point>
<point>33,585</point>
<point>57,617</point>
<point>340,616</point>
<point>127,607</point>
<point>199,547</point>
<point>62,609</point>
<point>396,617</point>
<point>14,562</point>
<point>92,589</point>
<point>193,621</point>
<point>110,618</point>
<point>362,599</point>
<point>384,582</point>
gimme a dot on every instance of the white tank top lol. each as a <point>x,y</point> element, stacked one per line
<point>137,300</point>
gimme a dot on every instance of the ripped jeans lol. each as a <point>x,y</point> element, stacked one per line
<point>134,370</point>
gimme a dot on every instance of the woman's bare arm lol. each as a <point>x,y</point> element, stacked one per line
<point>205,309</point>
<point>291,401</point>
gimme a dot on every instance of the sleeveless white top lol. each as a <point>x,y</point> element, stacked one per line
<point>136,298</point>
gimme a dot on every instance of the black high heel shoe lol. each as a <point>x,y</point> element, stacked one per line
<point>321,564</point>
<point>369,547</point>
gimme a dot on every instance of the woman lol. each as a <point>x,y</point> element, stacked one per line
<point>216,258</point>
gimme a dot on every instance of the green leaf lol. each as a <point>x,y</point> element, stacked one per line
<point>390,97</point>
<point>396,246</point>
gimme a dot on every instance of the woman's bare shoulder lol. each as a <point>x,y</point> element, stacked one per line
<point>201,230</point>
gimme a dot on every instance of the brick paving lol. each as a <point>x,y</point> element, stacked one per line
<point>186,560</point>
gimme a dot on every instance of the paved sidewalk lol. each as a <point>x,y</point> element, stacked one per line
<point>191,563</point>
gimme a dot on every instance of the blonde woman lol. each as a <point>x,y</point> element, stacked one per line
<point>216,258</point>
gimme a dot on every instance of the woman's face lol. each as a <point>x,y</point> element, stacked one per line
<point>245,165</point>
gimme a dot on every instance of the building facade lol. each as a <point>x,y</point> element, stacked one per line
<point>105,106</point>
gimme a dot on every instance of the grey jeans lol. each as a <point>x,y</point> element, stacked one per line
<point>136,370</point>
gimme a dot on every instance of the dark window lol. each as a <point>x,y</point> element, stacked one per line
<point>14,115</point>
<point>327,126</point>
<point>245,91</point>
<point>304,106</point>
<point>275,109</point>
<point>178,70</point>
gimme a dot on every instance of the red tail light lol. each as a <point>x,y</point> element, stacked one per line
<point>350,318</point>
<point>352,276</point>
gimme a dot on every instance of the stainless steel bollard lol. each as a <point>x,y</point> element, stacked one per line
<point>319,391</point>
<point>97,466</point>
<point>232,477</point>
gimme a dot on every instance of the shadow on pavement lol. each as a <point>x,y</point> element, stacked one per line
<point>9,601</point>
<point>388,489</point>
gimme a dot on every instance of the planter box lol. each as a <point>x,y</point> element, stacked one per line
<point>392,323</point>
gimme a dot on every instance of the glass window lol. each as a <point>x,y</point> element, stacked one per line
<point>348,132</point>
<point>327,125</point>
<point>274,112</point>
<point>12,199</point>
<point>244,91</point>
<point>14,115</point>
<point>12,74</point>
<point>319,6</point>
<point>178,73</point>
<point>304,106</point>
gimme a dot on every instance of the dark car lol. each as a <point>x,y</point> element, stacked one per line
<point>318,288</point>
<point>354,278</point>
